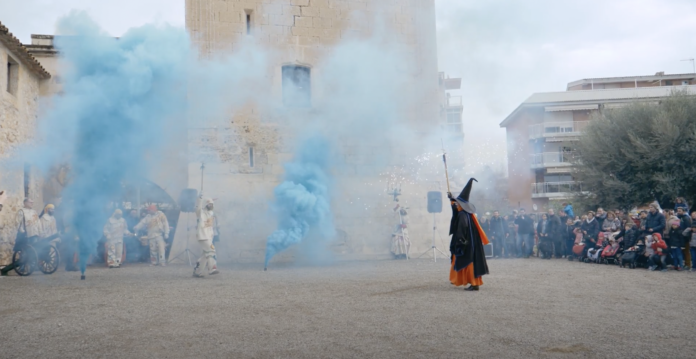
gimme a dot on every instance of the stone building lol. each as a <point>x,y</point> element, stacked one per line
<point>302,34</point>
<point>244,153</point>
<point>21,80</point>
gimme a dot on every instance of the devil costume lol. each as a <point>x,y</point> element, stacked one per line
<point>468,239</point>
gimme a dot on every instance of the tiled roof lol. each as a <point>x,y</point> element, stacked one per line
<point>16,47</point>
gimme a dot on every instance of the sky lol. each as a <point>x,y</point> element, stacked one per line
<point>503,50</point>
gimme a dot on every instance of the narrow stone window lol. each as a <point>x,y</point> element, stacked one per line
<point>297,91</point>
<point>247,15</point>
<point>27,179</point>
<point>251,156</point>
<point>12,76</point>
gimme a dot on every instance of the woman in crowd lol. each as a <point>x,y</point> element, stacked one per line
<point>545,246</point>
<point>680,202</point>
<point>611,223</point>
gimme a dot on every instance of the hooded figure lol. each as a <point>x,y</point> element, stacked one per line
<point>205,234</point>
<point>114,230</point>
<point>468,239</point>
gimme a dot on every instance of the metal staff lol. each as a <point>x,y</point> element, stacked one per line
<point>444,159</point>
<point>202,168</point>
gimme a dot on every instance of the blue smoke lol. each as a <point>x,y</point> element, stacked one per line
<point>120,97</point>
<point>302,200</point>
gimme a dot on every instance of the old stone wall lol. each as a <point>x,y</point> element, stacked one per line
<point>18,116</point>
<point>304,32</point>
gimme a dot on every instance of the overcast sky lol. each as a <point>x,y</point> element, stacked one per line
<point>503,50</point>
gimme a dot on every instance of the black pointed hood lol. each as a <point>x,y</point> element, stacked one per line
<point>463,198</point>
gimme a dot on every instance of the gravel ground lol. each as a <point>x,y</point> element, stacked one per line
<point>376,309</point>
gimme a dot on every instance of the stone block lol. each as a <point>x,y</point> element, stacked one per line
<point>302,21</point>
<point>291,10</point>
<point>270,9</point>
<point>300,2</point>
<point>282,20</point>
<point>310,11</point>
<point>322,23</point>
<point>302,31</point>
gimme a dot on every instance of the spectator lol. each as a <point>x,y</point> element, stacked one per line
<point>655,221</point>
<point>690,235</point>
<point>685,223</point>
<point>675,243</point>
<point>590,227</point>
<point>681,203</point>
<point>628,236</point>
<point>562,217</point>
<point>569,236</point>
<point>611,223</point>
<point>555,233</point>
<point>485,225</point>
<point>525,234</point>
<point>601,216</point>
<point>568,210</point>
<point>545,242</point>
<point>658,257</point>
<point>643,218</point>
<point>498,230</point>
<point>510,237</point>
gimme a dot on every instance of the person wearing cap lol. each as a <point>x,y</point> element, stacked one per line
<point>48,223</point>
<point>468,257</point>
<point>114,230</point>
<point>205,234</point>
<point>157,230</point>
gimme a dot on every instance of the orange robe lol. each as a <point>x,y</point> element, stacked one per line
<point>466,275</point>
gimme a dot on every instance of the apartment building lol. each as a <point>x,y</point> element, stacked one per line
<point>542,132</point>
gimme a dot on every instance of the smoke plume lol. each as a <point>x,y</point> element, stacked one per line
<point>302,200</point>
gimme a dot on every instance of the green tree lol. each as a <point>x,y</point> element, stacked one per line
<point>640,153</point>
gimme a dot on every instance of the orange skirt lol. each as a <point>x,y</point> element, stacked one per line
<point>464,276</point>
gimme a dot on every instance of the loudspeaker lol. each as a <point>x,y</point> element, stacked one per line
<point>434,202</point>
<point>187,200</point>
<point>488,250</point>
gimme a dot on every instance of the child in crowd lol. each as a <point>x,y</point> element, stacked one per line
<point>690,235</point>
<point>675,241</point>
<point>655,249</point>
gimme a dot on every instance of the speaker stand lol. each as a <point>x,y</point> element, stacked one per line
<point>433,246</point>
<point>186,253</point>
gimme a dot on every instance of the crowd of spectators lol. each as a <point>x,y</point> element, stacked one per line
<point>654,238</point>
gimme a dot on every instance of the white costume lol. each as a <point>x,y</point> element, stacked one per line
<point>205,234</point>
<point>157,231</point>
<point>28,222</point>
<point>114,230</point>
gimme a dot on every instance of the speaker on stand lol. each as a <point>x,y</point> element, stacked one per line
<point>434,206</point>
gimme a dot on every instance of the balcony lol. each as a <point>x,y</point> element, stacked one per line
<point>555,189</point>
<point>454,102</point>
<point>559,130</point>
<point>552,159</point>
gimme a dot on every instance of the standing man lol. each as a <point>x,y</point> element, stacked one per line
<point>468,257</point>
<point>655,221</point>
<point>555,233</point>
<point>525,234</point>
<point>498,229</point>
<point>28,229</point>
<point>49,227</point>
<point>684,224</point>
<point>205,234</point>
<point>114,230</point>
<point>157,230</point>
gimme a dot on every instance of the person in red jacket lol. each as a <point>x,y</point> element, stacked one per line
<point>659,257</point>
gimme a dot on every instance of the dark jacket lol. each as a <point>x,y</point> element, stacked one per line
<point>498,228</point>
<point>466,245</point>
<point>591,228</point>
<point>600,218</point>
<point>568,232</point>
<point>676,238</point>
<point>556,229</point>
<point>524,225</point>
<point>684,221</point>
<point>629,238</point>
<point>656,222</point>
<point>544,230</point>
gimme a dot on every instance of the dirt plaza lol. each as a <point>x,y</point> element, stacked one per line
<point>355,309</point>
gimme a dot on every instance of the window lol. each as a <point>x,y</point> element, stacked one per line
<point>251,156</point>
<point>247,15</point>
<point>685,82</point>
<point>12,76</point>
<point>297,86</point>
<point>668,83</point>
<point>27,179</point>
